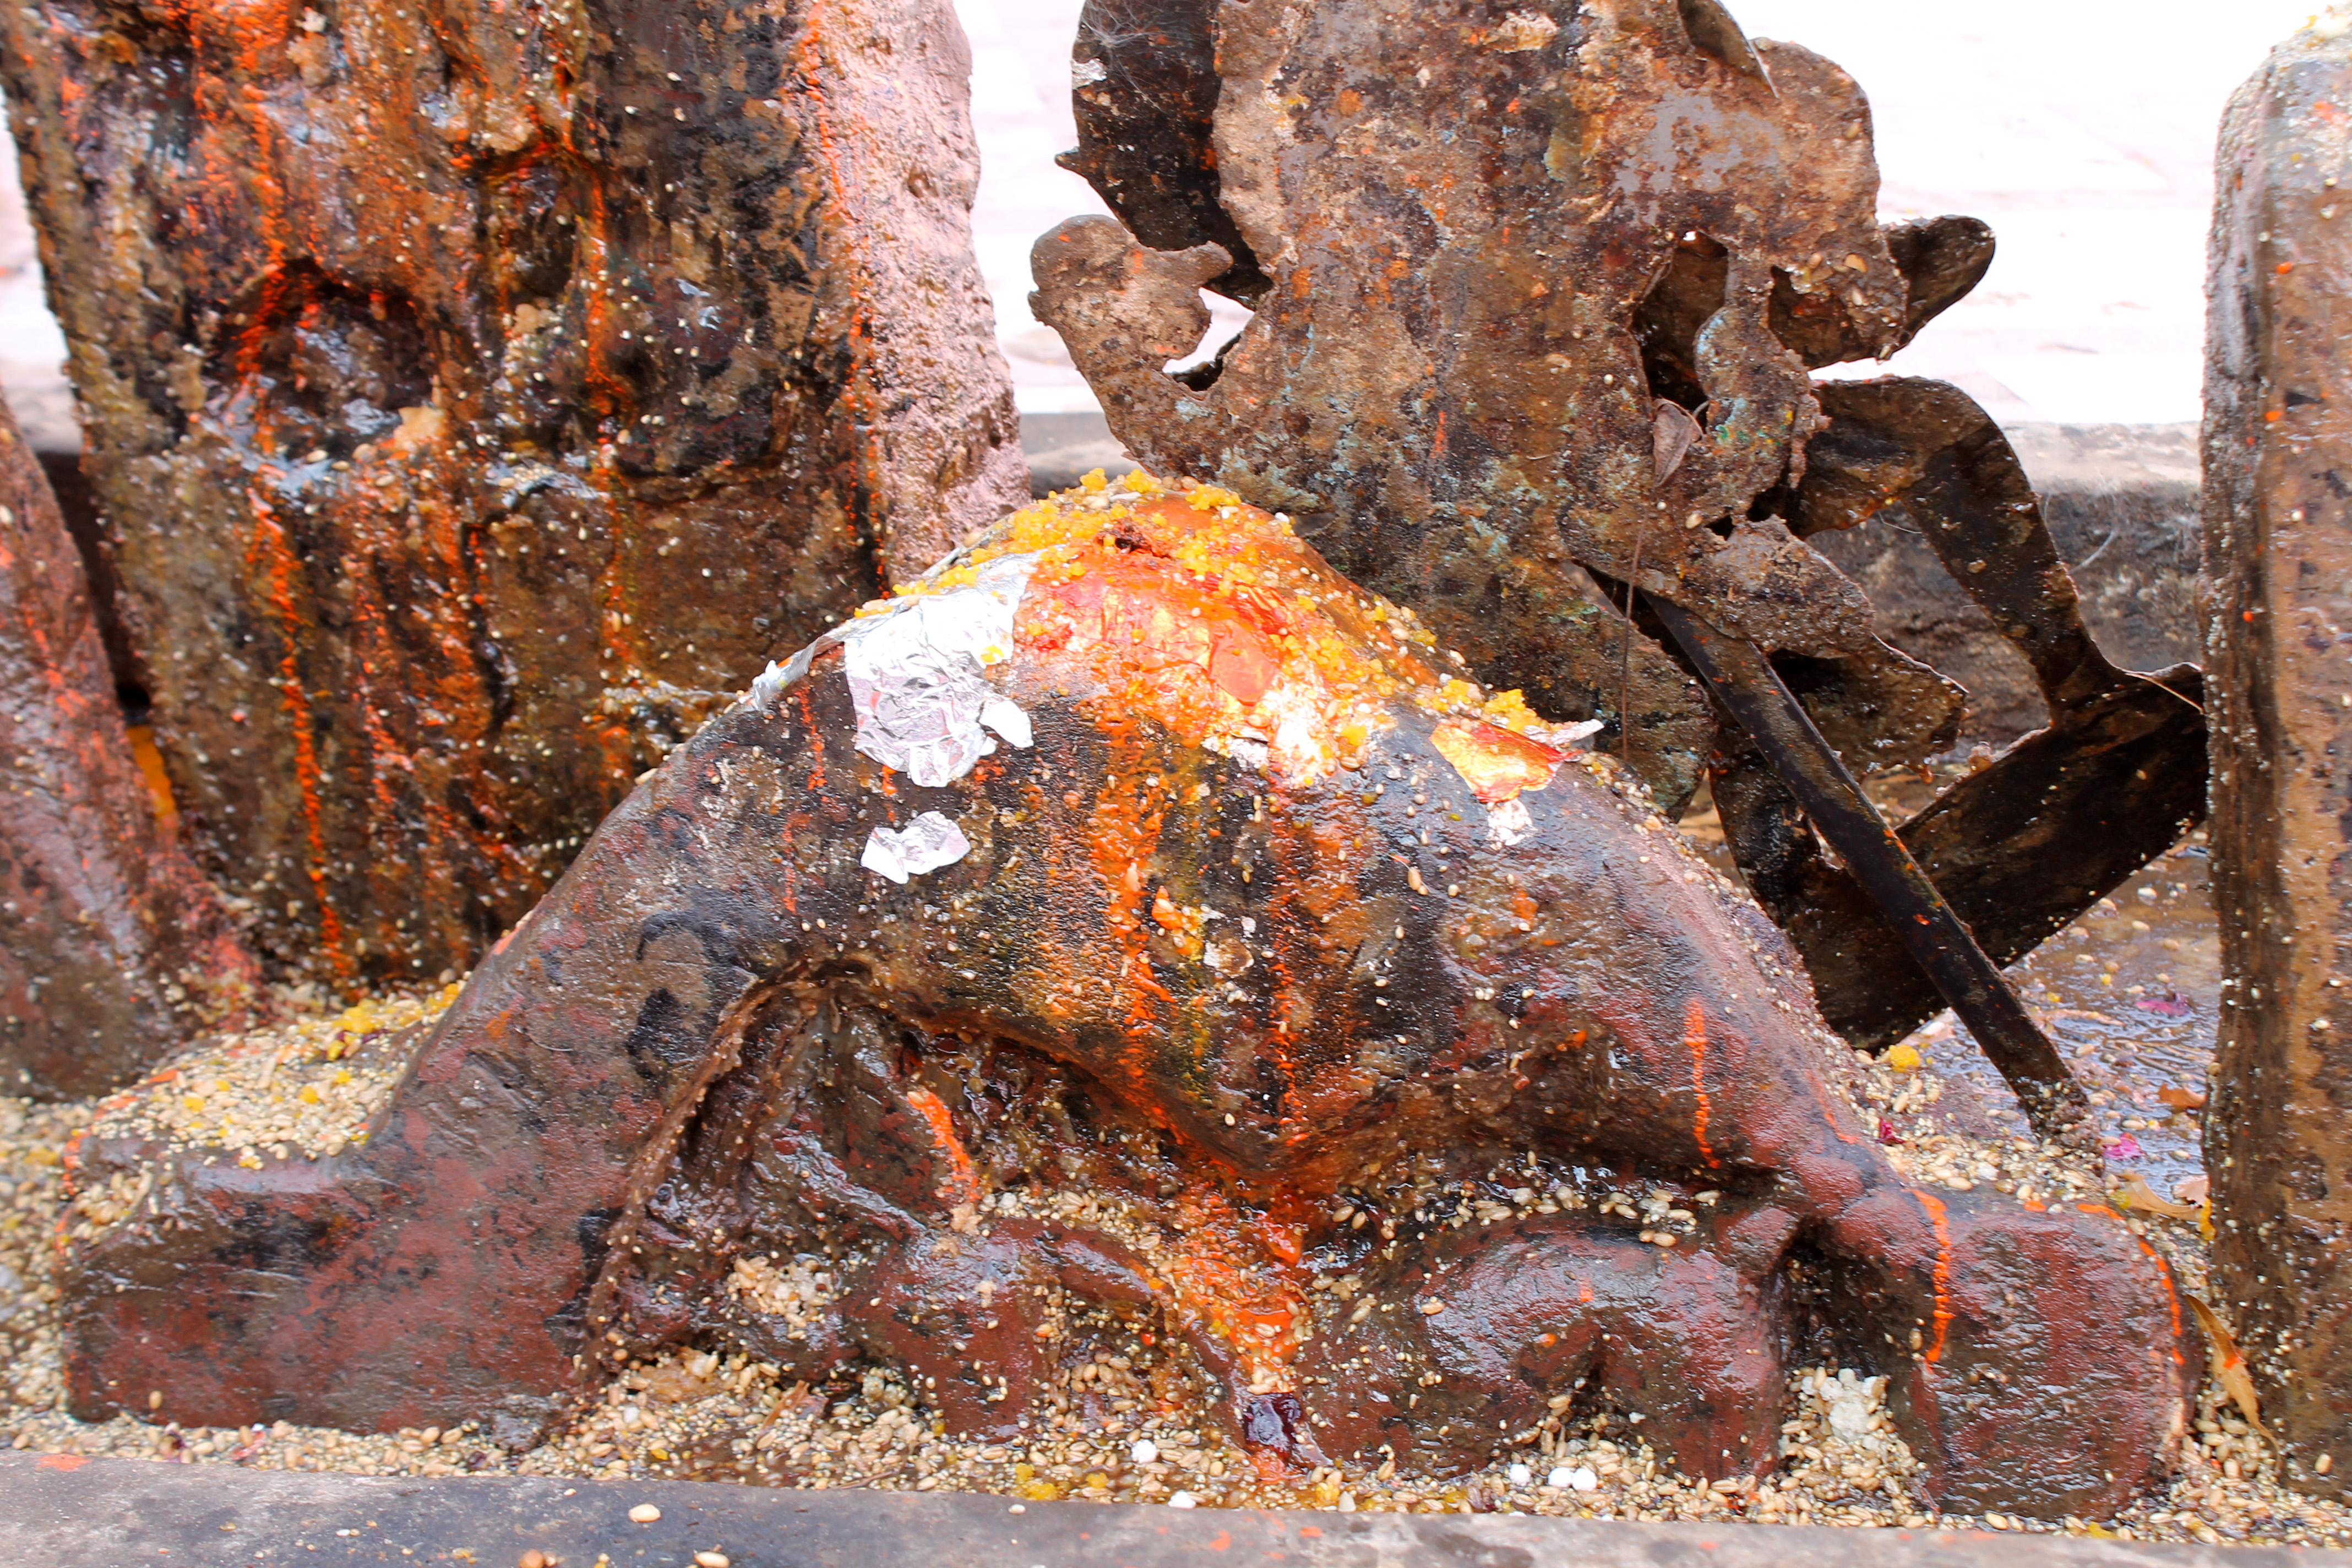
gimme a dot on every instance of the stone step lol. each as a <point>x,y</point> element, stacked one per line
<point>64,1509</point>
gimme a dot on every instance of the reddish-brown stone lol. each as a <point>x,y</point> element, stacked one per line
<point>1536,294</point>
<point>1258,935</point>
<point>1545,290</point>
<point>2278,561</point>
<point>473,391</point>
<point>112,947</point>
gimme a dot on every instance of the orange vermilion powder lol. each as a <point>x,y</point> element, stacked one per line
<point>1211,618</point>
<point>1496,764</point>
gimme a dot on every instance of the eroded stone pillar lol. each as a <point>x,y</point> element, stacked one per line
<point>112,947</point>
<point>477,392</point>
<point>2278,555</point>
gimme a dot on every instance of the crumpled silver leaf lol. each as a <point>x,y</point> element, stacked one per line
<point>926,844</point>
<point>918,674</point>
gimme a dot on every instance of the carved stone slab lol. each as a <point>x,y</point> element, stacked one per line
<point>473,389</point>
<point>113,949</point>
<point>2278,561</point>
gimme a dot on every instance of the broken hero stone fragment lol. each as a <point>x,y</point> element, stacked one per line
<point>2278,561</point>
<point>1537,293</point>
<point>1271,911</point>
<point>113,948</point>
<point>478,396</point>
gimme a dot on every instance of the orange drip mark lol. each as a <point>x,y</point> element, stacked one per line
<point>1287,989</point>
<point>1943,1276</point>
<point>159,783</point>
<point>384,750</point>
<point>598,308</point>
<point>1124,832</point>
<point>250,32</point>
<point>2163,1272</point>
<point>1279,997</point>
<point>963,1185</point>
<point>615,398</point>
<point>1068,859</point>
<point>860,396</point>
<point>2171,1297</point>
<point>371,643</point>
<point>796,823</point>
<point>1221,1283</point>
<point>1584,1290</point>
<point>440,823</point>
<point>270,539</point>
<point>1694,1036</point>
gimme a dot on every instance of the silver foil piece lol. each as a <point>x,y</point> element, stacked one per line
<point>918,674</point>
<point>926,844</point>
<point>1509,822</point>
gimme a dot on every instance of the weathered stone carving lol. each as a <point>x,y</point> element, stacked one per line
<point>1138,848</point>
<point>113,949</point>
<point>2111,781</point>
<point>1537,291</point>
<point>1205,890</point>
<point>450,369</point>
<point>2278,559</point>
<point>1477,254</point>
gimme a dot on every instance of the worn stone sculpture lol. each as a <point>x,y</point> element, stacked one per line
<point>1451,380</point>
<point>1537,291</point>
<point>2278,555</point>
<point>474,393</point>
<point>113,948</point>
<point>1136,849</point>
<point>2114,778</point>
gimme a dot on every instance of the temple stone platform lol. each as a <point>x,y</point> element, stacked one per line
<point>64,1509</point>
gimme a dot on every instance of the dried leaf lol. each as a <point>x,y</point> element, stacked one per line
<point>1672,437</point>
<point>2134,1192</point>
<point>2231,1368</point>
<point>2181,1099</point>
<point>2194,1190</point>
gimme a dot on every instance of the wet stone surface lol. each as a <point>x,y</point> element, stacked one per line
<point>471,399</point>
<point>1509,410</point>
<point>957,1264</point>
<point>1130,1424</point>
<point>2130,991</point>
<point>2278,556</point>
<point>113,949</point>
